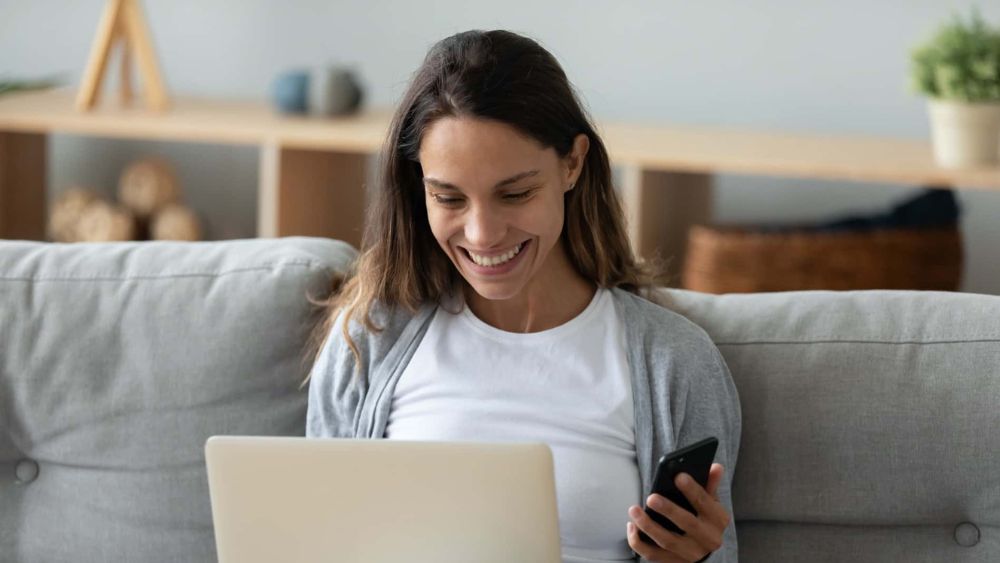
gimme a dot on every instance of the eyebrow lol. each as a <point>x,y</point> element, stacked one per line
<point>513,179</point>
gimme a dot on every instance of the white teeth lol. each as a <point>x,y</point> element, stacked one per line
<point>496,260</point>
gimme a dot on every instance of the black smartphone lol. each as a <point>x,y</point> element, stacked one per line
<point>695,460</point>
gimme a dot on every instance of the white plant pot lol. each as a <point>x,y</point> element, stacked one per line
<point>965,134</point>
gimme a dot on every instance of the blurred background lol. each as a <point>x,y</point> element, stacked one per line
<point>819,66</point>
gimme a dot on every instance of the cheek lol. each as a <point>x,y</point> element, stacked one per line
<point>547,219</point>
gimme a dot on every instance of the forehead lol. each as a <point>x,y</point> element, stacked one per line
<point>457,147</point>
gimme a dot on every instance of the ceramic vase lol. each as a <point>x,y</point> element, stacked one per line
<point>334,91</point>
<point>965,134</point>
<point>290,92</point>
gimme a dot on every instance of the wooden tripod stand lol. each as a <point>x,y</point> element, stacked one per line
<point>123,22</point>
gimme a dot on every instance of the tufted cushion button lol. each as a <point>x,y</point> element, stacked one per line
<point>966,534</point>
<point>26,471</point>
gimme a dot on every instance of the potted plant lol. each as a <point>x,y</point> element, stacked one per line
<point>959,69</point>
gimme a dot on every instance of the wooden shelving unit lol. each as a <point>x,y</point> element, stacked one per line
<point>312,171</point>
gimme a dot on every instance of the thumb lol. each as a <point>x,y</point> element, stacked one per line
<point>714,479</point>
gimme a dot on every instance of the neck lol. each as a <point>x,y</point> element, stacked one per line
<point>556,295</point>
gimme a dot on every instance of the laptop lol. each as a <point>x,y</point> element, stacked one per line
<point>376,501</point>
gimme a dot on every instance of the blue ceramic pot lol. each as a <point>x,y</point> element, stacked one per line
<point>290,92</point>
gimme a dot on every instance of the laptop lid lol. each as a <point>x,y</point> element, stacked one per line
<point>345,500</point>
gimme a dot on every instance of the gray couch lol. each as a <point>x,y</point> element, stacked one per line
<point>871,420</point>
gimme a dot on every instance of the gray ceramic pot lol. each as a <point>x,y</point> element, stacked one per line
<point>334,91</point>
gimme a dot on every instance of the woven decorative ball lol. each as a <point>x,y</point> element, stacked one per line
<point>64,216</point>
<point>148,185</point>
<point>105,222</point>
<point>175,222</point>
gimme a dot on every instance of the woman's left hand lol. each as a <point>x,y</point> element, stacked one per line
<point>704,531</point>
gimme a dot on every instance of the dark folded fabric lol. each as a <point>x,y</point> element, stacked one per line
<point>931,208</point>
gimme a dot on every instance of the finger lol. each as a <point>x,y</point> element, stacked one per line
<point>646,551</point>
<point>708,507</point>
<point>715,475</point>
<point>674,512</point>
<point>714,479</point>
<point>679,546</point>
<point>705,535</point>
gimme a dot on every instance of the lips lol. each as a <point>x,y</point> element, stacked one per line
<point>495,263</point>
<point>495,260</point>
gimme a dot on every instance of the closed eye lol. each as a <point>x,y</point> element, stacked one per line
<point>450,201</point>
<point>518,196</point>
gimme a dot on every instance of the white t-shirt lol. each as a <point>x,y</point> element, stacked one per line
<point>568,387</point>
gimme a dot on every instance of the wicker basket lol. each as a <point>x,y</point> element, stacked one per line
<point>739,260</point>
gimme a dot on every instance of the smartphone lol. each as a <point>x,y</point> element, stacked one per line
<point>695,460</point>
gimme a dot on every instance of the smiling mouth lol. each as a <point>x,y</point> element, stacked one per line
<point>495,260</point>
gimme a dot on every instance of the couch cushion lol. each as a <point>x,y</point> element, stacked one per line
<point>871,422</point>
<point>117,361</point>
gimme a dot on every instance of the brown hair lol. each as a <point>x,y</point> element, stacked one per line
<point>495,75</point>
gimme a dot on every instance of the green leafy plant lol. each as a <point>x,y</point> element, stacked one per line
<point>961,62</point>
<point>13,85</point>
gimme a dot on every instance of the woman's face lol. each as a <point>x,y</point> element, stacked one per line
<point>495,202</point>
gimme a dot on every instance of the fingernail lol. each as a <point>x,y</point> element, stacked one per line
<point>630,527</point>
<point>683,480</point>
<point>655,501</point>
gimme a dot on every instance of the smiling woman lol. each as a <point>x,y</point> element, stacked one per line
<point>490,110</point>
<point>504,237</point>
<point>496,298</point>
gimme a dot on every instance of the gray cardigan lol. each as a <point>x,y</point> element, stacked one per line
<point>682,389</point>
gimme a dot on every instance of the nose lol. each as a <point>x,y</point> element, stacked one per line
<point>485,227</point>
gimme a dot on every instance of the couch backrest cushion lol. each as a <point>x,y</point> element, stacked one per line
<point>871,422</point>
<point>118,361</point>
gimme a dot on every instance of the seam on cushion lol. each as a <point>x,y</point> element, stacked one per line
<point>814,524</point>
<point>888,342</point>
<point>263,268</point>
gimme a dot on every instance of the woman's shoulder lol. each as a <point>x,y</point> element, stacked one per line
<point>672,344</point>
<point>375,334</point>
<point>384,317</point>
<point>655,319</point>
<point>342,373</point>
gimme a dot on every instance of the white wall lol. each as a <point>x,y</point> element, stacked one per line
<point>828,66</point>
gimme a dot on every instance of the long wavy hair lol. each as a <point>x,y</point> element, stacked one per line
<point>501,76</point>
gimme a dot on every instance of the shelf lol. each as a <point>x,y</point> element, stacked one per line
<point>828,157</point>
<point>651,147</point>
<point>192,120</point>
<point>313,169</point>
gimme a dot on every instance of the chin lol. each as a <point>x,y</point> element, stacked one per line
<point>495,295</point>
<point>494,292</point>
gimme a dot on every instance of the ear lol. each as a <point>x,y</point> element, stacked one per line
<point>573,162</point>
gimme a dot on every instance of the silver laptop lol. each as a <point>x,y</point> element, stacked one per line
<point>299,499</point>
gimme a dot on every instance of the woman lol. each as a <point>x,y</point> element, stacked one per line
<point>496,298</point>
